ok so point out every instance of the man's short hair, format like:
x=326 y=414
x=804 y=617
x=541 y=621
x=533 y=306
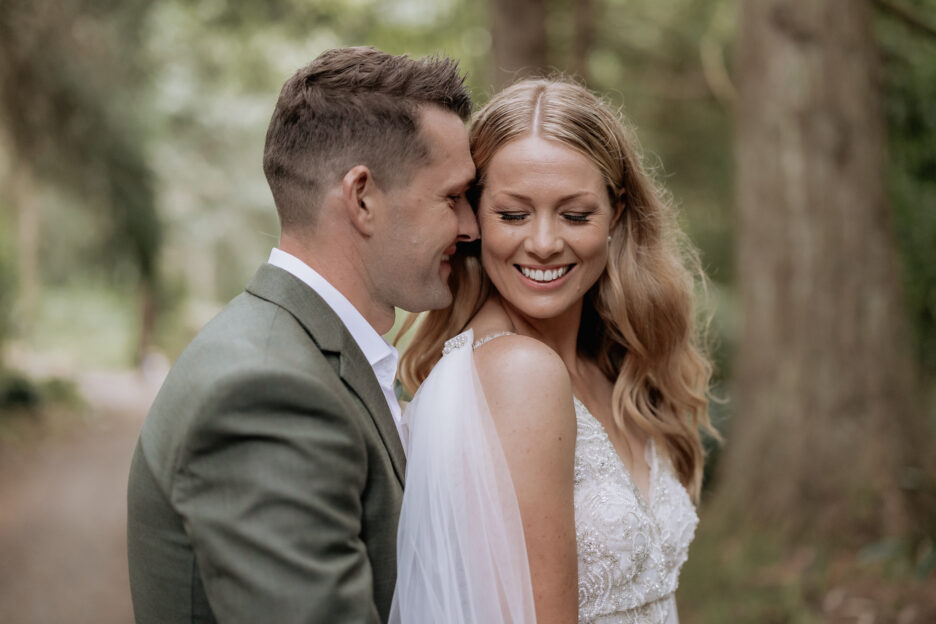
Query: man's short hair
x=349 y=107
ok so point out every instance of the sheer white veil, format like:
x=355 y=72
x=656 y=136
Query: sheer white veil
x=461 y=555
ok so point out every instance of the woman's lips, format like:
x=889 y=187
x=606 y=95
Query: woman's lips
x=544 y=277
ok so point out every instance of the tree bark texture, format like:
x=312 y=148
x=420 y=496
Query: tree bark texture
x=518 y=39
x=826 y=432
x=583 y=34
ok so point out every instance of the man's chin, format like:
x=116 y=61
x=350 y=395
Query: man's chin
x=437 y=301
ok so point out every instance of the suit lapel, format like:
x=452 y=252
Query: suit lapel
x=333 y=338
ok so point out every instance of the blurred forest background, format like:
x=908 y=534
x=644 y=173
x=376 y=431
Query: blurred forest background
x=797 y=137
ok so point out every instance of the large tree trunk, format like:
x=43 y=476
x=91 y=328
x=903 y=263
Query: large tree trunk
x=518 y=39
x=826 y=428
x=583 y=34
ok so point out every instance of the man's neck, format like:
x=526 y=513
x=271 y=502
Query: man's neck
x=342 y=268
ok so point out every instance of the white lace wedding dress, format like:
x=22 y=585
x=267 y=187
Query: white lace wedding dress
x=460 y=549
x=630 y=549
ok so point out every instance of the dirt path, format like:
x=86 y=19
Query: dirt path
x=63 y=515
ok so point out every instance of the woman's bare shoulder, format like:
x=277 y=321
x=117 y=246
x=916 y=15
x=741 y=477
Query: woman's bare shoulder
x=525 y=383
x=521 y=376
x=517 y=354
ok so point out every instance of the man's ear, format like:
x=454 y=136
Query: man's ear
x=361 y=198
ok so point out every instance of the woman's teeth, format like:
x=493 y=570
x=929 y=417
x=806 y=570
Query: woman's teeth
x=539 y=275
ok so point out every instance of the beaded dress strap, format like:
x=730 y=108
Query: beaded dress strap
x=490 y=337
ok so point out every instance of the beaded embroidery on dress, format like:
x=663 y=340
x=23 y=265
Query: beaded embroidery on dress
x=630 y=550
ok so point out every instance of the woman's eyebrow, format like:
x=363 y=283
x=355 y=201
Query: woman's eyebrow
x=562 y=200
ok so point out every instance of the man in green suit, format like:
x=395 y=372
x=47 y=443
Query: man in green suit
x=267 y=480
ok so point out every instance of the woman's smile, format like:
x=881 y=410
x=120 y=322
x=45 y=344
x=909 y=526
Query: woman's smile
x=545 y=277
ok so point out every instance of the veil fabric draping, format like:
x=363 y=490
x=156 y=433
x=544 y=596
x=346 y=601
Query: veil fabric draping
x=461 y=555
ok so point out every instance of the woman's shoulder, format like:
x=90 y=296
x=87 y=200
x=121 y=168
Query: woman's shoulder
x=504 y=351
x=501 y=351
x=520 y=375
x=525 y=380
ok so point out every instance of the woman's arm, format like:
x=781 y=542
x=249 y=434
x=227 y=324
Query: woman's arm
x=530 y=397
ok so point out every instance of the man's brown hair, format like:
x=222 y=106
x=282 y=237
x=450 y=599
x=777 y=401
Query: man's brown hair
x=349 y=107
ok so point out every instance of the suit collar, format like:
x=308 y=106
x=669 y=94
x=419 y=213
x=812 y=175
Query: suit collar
x=330 y=335
x=372 y=344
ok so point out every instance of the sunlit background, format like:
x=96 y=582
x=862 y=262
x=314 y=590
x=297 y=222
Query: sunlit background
x=133 y=206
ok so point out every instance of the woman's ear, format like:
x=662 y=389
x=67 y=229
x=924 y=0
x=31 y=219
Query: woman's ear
x=360 y=198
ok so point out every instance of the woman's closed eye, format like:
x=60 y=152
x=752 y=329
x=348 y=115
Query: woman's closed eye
x=577 y=217
x=511 y=216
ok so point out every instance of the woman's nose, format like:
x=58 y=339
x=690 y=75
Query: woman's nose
x=544 y=239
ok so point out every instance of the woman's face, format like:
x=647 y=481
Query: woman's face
x=545 y=218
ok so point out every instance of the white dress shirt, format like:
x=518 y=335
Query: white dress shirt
x=380 y=354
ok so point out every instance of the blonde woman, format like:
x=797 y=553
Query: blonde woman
x=554 y=451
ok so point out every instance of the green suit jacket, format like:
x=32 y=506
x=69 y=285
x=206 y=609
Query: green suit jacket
x=267 y=481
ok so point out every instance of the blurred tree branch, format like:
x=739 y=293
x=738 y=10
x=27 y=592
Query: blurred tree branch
x=716 y=72
x=907 y=16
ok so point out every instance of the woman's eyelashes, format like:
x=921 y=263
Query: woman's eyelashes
x=572 y=217
x=578 y=217
x=511 y=216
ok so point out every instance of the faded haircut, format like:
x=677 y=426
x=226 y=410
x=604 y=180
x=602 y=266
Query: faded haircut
x=349 y=107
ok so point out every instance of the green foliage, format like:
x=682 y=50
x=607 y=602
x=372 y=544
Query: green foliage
x=910 y=81
x=18 y=392
x=71 y=80
x=87 y=323
x=21 y=394
x=137 y=232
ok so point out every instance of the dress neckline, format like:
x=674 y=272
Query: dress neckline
x=465 y=338
x=491 y=337
x=650 y=457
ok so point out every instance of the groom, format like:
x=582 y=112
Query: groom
x=267 y=480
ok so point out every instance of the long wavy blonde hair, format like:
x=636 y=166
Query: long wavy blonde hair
x=638 y=321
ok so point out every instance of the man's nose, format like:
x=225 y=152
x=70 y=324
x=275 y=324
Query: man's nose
x=467 y=222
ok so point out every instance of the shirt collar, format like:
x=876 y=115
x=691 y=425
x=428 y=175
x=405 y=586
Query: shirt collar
x=374 y=347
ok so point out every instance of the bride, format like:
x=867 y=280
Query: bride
x=554 y=451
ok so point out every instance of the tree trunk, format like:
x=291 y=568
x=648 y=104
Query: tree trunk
x=826 y=428
x=584 y=31
x=518 y=39
x=148 y=315
x=28 y=226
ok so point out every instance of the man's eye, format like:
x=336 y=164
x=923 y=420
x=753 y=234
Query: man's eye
x=453 y=200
